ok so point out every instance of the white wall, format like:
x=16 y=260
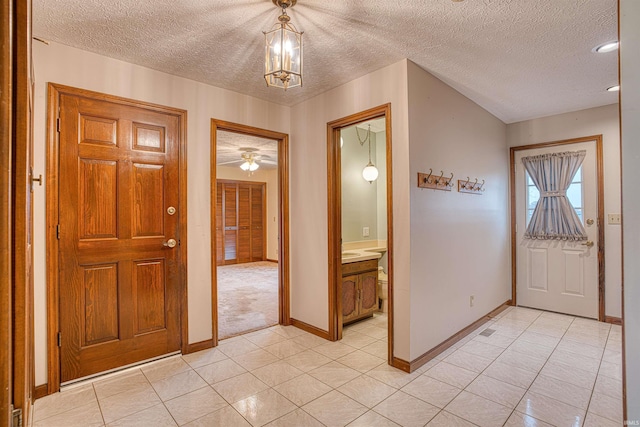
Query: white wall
x=270 y=177
x=630 y=107
x=459 y=242
x=594 y=121
x=61 y=64
x=309 y=265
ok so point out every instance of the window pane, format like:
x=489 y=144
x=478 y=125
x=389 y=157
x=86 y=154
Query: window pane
x=579 y=212
x=533 y=195
x=529 y=180
x=574 y=194
x=578 y=176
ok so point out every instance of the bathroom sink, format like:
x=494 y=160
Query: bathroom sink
x=349 y=254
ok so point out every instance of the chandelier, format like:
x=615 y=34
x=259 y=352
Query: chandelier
x=283 y=51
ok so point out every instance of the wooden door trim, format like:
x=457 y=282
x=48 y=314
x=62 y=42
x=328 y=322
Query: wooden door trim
x=334 y=206
x=283 y=217
x=599 y=208
x=52 y=205
x=6 y=99
x=23 y=350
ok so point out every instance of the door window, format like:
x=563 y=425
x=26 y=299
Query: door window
x=574 y=194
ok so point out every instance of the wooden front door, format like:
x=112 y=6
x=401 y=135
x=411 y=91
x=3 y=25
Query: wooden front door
x=119 y=264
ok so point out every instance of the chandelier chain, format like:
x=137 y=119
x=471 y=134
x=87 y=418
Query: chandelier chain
x=368 y=137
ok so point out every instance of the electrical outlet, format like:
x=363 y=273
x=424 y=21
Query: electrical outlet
x=471 y=299
x=365 y=231
x=614 y=218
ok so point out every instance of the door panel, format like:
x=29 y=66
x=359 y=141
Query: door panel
x=557 y=275
x=100 y=304
x=119 y=281
x=148 y=218
x=257 y=222
x=98 y=196
x=149 y=296
x=244 y=223
x=369 y=292
x=350 y=297
x=230 y=223
x=219 y=231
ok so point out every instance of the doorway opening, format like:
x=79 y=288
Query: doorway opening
x=559 y=274
x=360 y=231
x=249 y=223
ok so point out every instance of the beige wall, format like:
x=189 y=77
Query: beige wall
x=594 y=121
x=459 y=242
x=630 y=109
x=309 y=265
x=61 y=64
x=270 y=177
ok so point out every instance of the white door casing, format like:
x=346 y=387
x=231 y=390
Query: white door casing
x=557 y=275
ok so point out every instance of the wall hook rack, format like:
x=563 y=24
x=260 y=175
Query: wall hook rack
x=428 y=180
x=471 y=187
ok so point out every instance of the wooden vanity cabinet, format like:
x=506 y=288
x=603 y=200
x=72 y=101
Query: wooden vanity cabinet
x=359 y=290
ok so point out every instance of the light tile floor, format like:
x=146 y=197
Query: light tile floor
x=536 y=369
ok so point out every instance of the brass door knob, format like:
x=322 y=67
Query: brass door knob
x=588 y=243
x=171 y=243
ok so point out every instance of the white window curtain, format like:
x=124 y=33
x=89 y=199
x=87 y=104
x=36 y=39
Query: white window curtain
x=553 y=217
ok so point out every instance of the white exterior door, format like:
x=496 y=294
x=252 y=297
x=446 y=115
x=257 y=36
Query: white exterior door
x=557 y=275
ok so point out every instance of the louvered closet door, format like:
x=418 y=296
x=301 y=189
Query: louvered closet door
x=244 y=223
x=230 y=209
x=258 y=215
x=219 y=228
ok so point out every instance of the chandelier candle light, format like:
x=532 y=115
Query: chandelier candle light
x=283 y=51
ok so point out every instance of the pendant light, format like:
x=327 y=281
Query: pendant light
x=370 y=172
x=283 y=51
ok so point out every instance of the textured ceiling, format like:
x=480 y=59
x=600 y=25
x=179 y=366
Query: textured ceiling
x=230 y=146
x=519 y=59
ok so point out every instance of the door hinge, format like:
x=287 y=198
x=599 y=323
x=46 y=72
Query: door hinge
x=59 y=339
x=16 y=417
x=58 y=124
x=58 y=231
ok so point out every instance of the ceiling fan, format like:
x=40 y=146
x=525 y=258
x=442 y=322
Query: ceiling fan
x=249 y=158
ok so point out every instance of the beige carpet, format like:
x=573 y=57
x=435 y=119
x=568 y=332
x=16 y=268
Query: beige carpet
x=247 y=297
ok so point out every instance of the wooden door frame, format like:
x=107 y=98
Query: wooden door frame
x=599 y=211
x=334 y=205
x=52 y=205
x=6 y=225
x=283 y=218
x=23 y=329
x=264 y=213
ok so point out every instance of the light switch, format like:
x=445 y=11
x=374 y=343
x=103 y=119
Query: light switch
x=614 y=218
x=365 y=231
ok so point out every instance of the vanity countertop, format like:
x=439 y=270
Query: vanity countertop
x=356 y=255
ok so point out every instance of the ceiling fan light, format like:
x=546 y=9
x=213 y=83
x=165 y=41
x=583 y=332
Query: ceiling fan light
x=253 y=166
x=245 y=166
x=370 y=173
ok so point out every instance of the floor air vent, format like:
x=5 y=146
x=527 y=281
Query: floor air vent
x=487 y=332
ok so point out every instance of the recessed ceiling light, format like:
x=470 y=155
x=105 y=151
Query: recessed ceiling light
x=606 y=47
x=614 y=88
